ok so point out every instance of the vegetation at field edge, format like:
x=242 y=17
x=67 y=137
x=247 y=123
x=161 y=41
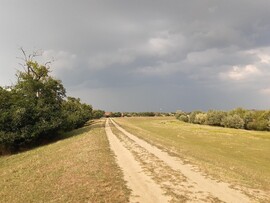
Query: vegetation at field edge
x=81 y=168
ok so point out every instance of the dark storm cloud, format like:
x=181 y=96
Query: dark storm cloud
x=147 y=55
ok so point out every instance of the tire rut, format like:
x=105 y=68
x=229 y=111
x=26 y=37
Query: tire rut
x=179 y=180
x=143 y=188
x=174 y=183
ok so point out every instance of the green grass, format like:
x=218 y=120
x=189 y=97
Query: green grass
x=240 y=157
x=81 y=168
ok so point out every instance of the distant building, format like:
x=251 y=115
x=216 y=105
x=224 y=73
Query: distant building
x=108 y=114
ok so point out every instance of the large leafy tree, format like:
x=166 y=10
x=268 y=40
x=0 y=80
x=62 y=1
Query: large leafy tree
x=34 y=105
x=35 y=108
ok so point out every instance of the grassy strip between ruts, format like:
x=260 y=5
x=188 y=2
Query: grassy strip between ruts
x=81 y=168
x=240 y=157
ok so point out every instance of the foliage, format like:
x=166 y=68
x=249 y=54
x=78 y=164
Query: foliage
x=192 y=116
x=97 y=114
x=200 y=118
x=260 y=121
x=75 y=113
x=233 y=121
x=34 y=109
x=141 y=114
x=215 y=117
x=236 y=118
x=182 y=116
x=116 y=114
x=238 y=111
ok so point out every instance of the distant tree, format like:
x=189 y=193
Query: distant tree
x=97 y=114
x=181 y=115
x=215 y=117
x=238 y=111
x=116 y=114
x=192 y=116
x=261 y=121
x=249 y=117
x=233 y=121
x=200 y=118
x=183 y=118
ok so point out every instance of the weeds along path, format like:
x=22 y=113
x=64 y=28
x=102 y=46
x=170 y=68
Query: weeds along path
x=144 y=189
x=180 y=181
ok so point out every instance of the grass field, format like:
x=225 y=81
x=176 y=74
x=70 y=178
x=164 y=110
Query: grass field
x=237 y=156
x=80 y=168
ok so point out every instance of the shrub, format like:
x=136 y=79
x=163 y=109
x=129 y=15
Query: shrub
x=192 y=116
x=249 y=117
x=200 y=118
x=116 y=114
x=233 y=121
x=183 y=118
x=215 y=117
x=97 y=114
x=75 y=114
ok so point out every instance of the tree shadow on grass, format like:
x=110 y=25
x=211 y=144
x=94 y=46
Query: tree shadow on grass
x=90 y=125
x=87 y=127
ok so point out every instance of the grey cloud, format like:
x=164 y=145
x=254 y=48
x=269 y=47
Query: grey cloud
x=146 y=55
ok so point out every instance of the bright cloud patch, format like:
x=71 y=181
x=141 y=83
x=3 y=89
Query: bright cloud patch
x=159 y=45
x=241 y=73
x=265 y=91
x=263 y=54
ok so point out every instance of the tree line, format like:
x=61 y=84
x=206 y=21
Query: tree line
x=238 y=118
x=36 y=108
x=146 y=114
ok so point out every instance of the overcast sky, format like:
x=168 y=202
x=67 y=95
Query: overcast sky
x=146 y=55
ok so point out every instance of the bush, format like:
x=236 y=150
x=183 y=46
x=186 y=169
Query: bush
x=249 y=117
x=192 y=116
x=258 y=120
x=215 y=117
x=183 y=118
x=97 y=114
x=75 y=114
x=116 y=114
x=200 y=118
x=233 y=121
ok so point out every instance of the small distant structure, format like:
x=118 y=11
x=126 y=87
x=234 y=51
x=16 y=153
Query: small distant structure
x=108 y=114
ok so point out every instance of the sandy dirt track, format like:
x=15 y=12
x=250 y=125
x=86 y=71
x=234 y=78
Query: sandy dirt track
x=150 y=173
x=144 y=189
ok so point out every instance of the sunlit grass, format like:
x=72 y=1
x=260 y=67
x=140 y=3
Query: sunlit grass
x=80 y=168
x=237 y=156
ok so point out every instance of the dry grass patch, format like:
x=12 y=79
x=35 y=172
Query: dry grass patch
x=81 y=168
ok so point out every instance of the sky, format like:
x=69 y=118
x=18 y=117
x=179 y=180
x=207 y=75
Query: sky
x=145 y=55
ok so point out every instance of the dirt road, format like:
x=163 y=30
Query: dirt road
x=155 y=176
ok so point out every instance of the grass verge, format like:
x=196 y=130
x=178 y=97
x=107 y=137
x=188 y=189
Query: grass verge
x=240 y=157
x=81 y=168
